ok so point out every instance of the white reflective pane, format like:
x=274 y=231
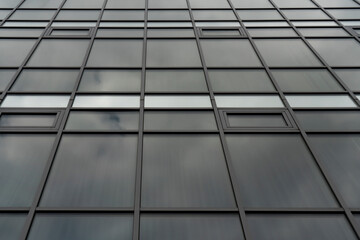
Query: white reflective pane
x=314 y=23
x=266 y=24
x=122 y=24
x=36 y=101
x=313 y=101
x=177 y=102
x=169 y=24
x=350 y=23
x=217 y=24
x=25 y=24
x=74 y=24
x=107 y=101
x=248 y=101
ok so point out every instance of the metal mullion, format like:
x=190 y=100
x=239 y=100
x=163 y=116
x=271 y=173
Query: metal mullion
x=11 y=12
x=228 y=163
x=47 y=169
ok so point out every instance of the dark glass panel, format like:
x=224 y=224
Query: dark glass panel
x=170 y=33
x=14 y=51
x=27 y=120
x=256 y=120
x=5 y=77
x=32 y=15
x=351 y=77
x=20 y=32
x=11 y=225
x=83 y=4
x=123 y=33
x=123 y=15
x=181 y=15
x=41 y=4
x=125 y=4
x=78 y=15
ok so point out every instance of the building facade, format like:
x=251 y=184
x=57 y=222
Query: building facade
x=179 y=119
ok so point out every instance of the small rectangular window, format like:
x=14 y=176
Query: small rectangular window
x=319 y=101
x=35 y=101
x=222 y=32
x=159 y=101
x=248 y=101
x=68 y=32
x=106 y=101
x=29 y=119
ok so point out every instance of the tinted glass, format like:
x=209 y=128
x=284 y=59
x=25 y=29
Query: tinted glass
x=252 y=4
x=20 y=32
x=107 y=101
x=326 y=32
x=103 y=121
x=167 y=4
x=11 y=225
x=324 y=100
x=175 y=81
x=32 y=15
x=185 y=171
x=14 y=51
x=125 y=4
x=294 y=3
x=272 y=32
x=81 y=226
x=240 y=81
x=27 y=120
x=286 y=52
x=116 y=53
x=46 y=80
x=23 y=158
x=62 y=52
x=170 y=33
x=168 y=15
x=345 y=13
x=190 y=227
x=259 y=14
x=120 y=33
x=340 y=154
x=162 y=53
x=5 y=77
x=83 y=4
x=248 y=101
x=41 y=4
x=36 y=101
x=277 y=171
x=209 y=4
x=60 y=32
x=305 y=14
x=177 y=101
x=218 y=32
x=256 y=120
x=329 y=120
x=78 y=15
x=299 y=227
x=9 y=3
x=214 y=15
x=338 y=3
x=93 y=171
x=351 y=77
x=123 y=15
x=229 y=52
x=110 y=80
x=309 y=80
x=179 y=120
x=338 y=52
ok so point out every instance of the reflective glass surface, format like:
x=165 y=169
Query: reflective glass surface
x=27 y=120
x=5 y=77
x=35 y=101
x=11 y=225
x=14 y=51
x=106 y=101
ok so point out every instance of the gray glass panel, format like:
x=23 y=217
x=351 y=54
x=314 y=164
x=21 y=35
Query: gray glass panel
x=329 y=120
x=214 y=15
x=128 y=15
x=81 y=227
x=351 y=77
x=168 y=15
x=309 y=80
x=286 y=52
x=167 y=4
x=240 y=81
x=272 y=32
x=345 y=13
x=4 y=13
x=83 y=4
x=92 y=171
x=14 y=51
x=277 y=171
x=163 y=53
x=338 y=3
x=64 y=52
x=27 y=120
x=294 y=3
x=9 y=3
x=190 y=227
x=320 y=100
x=252 y=4
x=32 y=15
x=11 y=226
x=338 y=52
x=259 y=15
x=179 y=120
x=125 y=4
x=322 y=32
x=175 y=81
x=41 y=4
x=45 y=80
x=104 y=121
x=116 y=53
x=229 y=52
x=35 y=101
x=305 y=14
x=78 y=15
x=125 y=33
x=23 y=158
x=217 y=32
x=69 y=32
x=209 y=4
x=299 y=227
x=185 y=171
x=5 y=77
x=170 y=33
x=111 y=80
x=340 y=154
x=247 y=120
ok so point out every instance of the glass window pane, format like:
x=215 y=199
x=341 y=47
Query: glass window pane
x=106 y=101
x=167 y=4
x=185 y=171
x=248 y=101
x=272 y=32
x=45 y=80
x=81 y=226
x=5 y=77
x=338 y=3
x=103 y=121
x=170 y=24
x=32 y=15
x=122 y=33
x=175 y=81
x=125 y=4
x=14 y=51
x=25 y=24
x=277 y=171
x=252 y=4
x=294 y=3
x=329 y=120
x=179 y=120
x=9 y=3
x=127 y=15
x=69 y=32
x=338 y=52
x=240 y=81
x=178 y=33
x=83 y=4
x=217 y=24
x=314 y=23
x=116 y=53
x=11 y=225
x=340 y=154
x=35 y=101
x=20 y=32
x=309 y=80
x=122 y=24
x=58 y=52
x=92 y=171
x=305 y=14
x=229 y=52
x=209 y=4
x=214 y=15
x=324 y=100
x=322 y=32
x=218 y=32
x=78 y=15
x=286 y=52
x=23 y=158
x=351 y=77
x=110 y=80
x=266 y=24
x=73 y=24
x=299 y=227
x=4 y=13
x=27 y=120
x=41 y=4
x=190 y=101
x=259 y=15
x=345 y=13
x=190 y=227
x=163 y=53
x=168 y=15
x=258 y=120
